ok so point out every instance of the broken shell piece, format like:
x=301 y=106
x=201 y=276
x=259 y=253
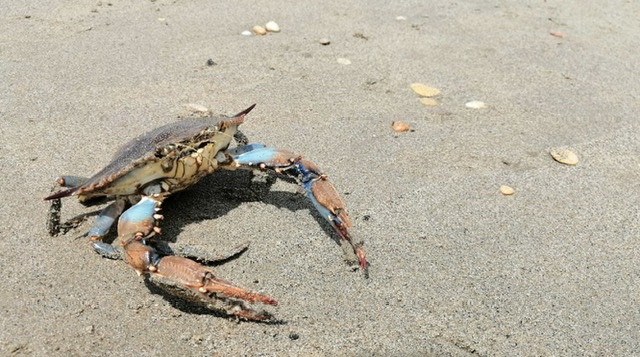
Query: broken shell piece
x=507 y=190
x=475 y=104
x=424 y=90
x=564 y=155
x=259 y=30
x=430 y=102
x=344 y=61
x=399 y=125
x=197 y=108
x=246 y=33
x=272 y=26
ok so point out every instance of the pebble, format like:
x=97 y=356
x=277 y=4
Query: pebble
x=272 y=26
x=430 y=102
x=564 y=155
x=424 y=90
x=246 y=33
x=401 y=18
x=475 y=104
x=325 y=41
x=399 y=125
x=344 y=61
x=259 y=30
x=293 y=336
x=507 y=190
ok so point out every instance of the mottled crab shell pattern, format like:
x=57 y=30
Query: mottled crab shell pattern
x=153 y=156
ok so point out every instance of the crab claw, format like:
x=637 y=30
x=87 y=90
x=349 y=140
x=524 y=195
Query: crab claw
x=192 y=281
x=327 y=201
x=181 y=276
x=319 y=189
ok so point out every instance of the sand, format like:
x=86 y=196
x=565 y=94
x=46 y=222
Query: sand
x=456 y=269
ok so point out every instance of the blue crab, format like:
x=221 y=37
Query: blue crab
x=169 y=159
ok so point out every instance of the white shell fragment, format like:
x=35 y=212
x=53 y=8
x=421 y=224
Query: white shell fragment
x=507 y=190
x=246 y=33
x=564 y=155
x=475 y=104
x=344 y=61
x=259 y=30
x=424 y=90
x=272 y=26
x=197 y=108
x=325 y=41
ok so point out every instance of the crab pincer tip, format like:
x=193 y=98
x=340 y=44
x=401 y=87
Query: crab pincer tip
x=362 y=258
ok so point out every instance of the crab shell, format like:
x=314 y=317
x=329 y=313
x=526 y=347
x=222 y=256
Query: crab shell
x=177 y=155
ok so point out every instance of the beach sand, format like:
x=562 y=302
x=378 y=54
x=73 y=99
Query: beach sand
x=456 y=267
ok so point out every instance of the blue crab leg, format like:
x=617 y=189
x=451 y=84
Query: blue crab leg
x=101 y=226
x=105 y=219
x=319 y=189
x=180 y=276
x=71 y=181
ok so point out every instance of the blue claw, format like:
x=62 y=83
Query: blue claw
x=140 y=211
x=318 y=188
x=139 y=219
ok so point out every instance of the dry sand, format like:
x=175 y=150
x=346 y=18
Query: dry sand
x=456 y=267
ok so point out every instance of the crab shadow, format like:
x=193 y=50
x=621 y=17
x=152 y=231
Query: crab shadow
x=196 y=309
x=216 y=195
x=213 y=198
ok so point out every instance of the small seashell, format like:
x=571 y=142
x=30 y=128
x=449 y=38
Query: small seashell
x=424 y=90
x=197 y=108
x=344 y=61
x=246 y=33
x=325 y=41
x=557 y=34
x=401 y=18
x=259 y=30
x=272 y=26
x=564 y=155
x=507 y=190
x=475 y=104
x=430 y=102
x=399 y=125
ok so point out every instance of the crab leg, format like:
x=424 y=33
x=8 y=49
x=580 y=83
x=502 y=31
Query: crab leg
x=54 y=225
x=186 y=278
x=317 y=186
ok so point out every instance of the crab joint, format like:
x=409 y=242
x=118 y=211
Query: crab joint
x=141 y=257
